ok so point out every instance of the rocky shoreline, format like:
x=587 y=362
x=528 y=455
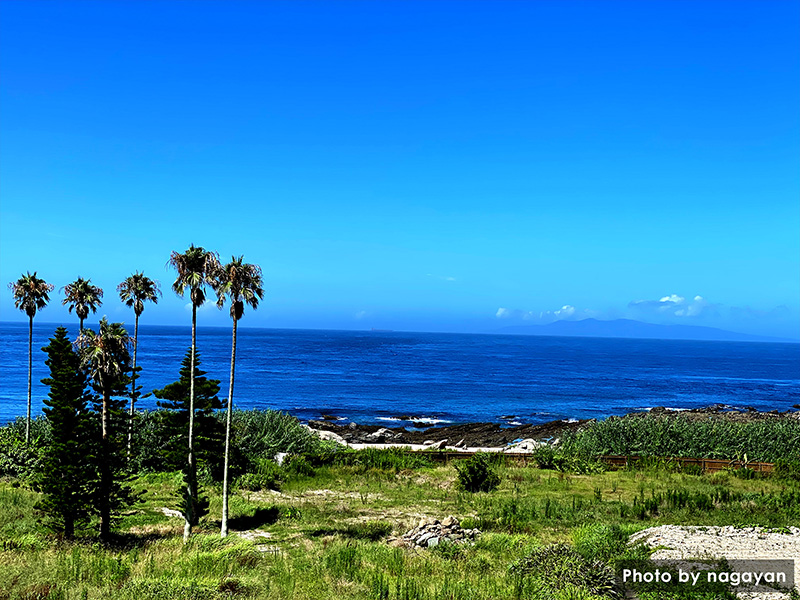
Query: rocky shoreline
x=496 y=435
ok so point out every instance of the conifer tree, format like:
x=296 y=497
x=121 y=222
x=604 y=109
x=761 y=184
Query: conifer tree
x=67 y=478
x=196 y=267
x=208 y=430
x=106 y=357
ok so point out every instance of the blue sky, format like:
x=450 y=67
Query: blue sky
x=441 y=166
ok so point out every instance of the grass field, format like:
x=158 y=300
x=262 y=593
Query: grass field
x=323 y=535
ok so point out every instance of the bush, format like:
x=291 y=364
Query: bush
x=787 y=469
x=267 y=476
x=383 y=459
x=261 y=434
x=655 y=435
x=17 y=459
x=257 y=435
x=599 y=541
x=558 y=567
x=297 y=465
x=546 y=457
x=476 y=474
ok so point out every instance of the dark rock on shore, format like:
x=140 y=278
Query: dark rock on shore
x=494 y=435
x=469 y=434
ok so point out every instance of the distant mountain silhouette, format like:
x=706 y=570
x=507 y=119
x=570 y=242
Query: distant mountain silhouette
x=627 y=328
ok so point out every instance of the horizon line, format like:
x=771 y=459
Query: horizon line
x=765 y=339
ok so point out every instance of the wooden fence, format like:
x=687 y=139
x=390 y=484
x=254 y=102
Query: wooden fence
x=706 y=465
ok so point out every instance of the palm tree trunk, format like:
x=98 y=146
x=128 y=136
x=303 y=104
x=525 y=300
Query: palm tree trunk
x=224 y=531
x=105 y=475
x=81 y=327
x=191 y=483
x=30 y=368
x=133 y=384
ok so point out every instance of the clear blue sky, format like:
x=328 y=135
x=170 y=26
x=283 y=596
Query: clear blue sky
x=444 y=166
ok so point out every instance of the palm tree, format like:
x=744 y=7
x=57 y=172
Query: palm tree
x=241 y=283
x=31 y=295
x=83 y=297
x=134 y=291
x=106 y=357
x=196 y=267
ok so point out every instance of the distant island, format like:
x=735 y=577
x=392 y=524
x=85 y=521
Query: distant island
x=628 y=328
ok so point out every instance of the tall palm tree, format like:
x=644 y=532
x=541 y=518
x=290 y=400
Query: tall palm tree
x=83 y=297
x=241 y=283
x=106 y=357
x=196 y=267
x=31 y=295
x=134 y=291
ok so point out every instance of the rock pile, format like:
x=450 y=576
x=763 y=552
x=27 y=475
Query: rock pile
x=432 y=532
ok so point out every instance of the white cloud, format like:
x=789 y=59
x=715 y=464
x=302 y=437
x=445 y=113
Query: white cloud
x=673 y=299
x=360 y=315
x=675 y=306
x=565 y=311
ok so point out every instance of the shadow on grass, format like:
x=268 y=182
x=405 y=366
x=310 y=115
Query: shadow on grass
x=129 y=541
x=262 y=516
x=372 y=531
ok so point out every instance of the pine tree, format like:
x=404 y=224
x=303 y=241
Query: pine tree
x=68 y=475
x=208 y=431
x=106 y=357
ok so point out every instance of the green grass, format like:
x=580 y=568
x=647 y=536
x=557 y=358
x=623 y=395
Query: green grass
x=329 y=523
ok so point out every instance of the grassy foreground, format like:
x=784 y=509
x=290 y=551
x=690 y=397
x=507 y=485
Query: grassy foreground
x=323 y=535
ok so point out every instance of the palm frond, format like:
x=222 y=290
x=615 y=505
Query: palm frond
x=82 y=296
x=195 y=268
x=30 y=293
x=137 y=289
x=241 y=283
x=104 y=353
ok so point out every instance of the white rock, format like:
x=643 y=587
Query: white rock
x=329 y=436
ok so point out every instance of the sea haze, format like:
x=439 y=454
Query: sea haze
x=374 y=377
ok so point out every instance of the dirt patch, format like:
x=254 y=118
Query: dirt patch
x=364 y=497
x=750 y=543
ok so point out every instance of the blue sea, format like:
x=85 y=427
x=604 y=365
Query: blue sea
x=374 y=377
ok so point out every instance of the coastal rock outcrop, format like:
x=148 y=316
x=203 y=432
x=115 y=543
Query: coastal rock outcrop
x=432 y=532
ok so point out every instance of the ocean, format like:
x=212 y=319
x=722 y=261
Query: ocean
x=374 y=377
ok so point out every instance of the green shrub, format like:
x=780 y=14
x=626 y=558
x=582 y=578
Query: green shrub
x=17 y=459
x=298 y=465
x=677 y=435
x=261 y=434
x=384 y=459
x=449 y=550
x=476 y=474
x=787 y=469
x=257 y=435
x=266 y=476
x=600 y=541
x=557 y=567
x=547 y=457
